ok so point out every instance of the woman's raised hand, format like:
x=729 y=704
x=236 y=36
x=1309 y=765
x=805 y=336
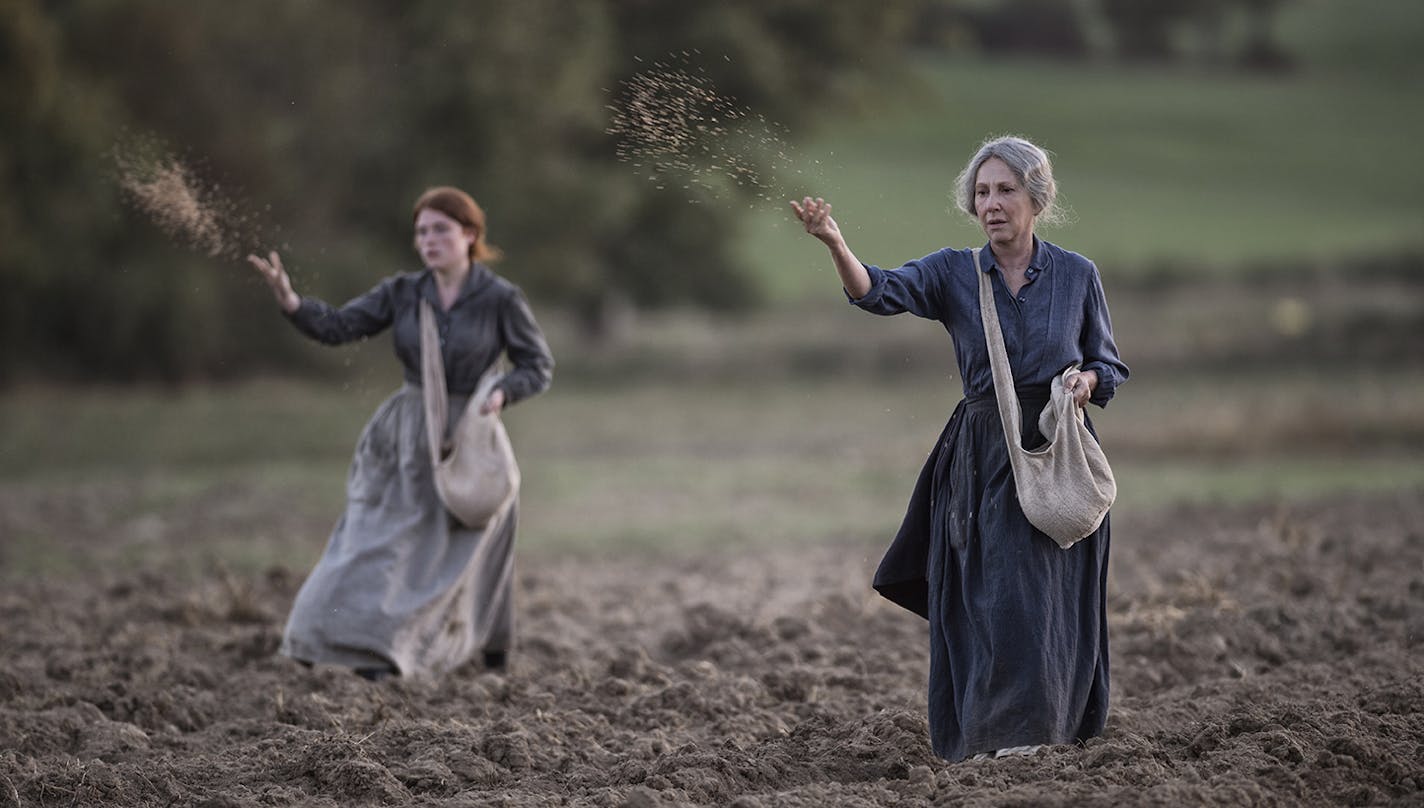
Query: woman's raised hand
x=276 y=277
x=815 y=215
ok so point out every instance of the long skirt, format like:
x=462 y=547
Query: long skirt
x=1018 y=626
x=401 y=583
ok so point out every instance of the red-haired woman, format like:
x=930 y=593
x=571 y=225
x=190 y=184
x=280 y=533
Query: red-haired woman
x=404 y=588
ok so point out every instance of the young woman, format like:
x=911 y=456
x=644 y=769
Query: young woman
x=403 y=588
x=1018 y=626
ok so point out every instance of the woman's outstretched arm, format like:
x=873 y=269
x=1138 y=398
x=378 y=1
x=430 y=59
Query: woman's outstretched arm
x=361 y=317
x=815 y=215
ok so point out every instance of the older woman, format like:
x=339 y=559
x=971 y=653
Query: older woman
x=404 y=588
x=1018 y=626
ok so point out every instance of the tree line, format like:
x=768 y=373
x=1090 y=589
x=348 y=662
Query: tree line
x=320 y=121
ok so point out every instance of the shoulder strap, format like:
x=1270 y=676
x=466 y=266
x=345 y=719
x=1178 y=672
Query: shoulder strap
x=1004 y=392
x=432 y=381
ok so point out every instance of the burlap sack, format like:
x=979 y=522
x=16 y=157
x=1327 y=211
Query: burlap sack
x=1066 y=486
x=475 y=472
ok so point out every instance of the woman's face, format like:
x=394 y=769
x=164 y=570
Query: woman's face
x=1002 y=204
x=443 y=244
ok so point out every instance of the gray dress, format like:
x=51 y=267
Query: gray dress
x=401 y=583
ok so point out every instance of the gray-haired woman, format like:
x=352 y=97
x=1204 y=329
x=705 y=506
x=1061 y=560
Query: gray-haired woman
x=1018 y=627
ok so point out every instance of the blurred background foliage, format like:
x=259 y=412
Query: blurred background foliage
x=329 y=118
x=322 y=120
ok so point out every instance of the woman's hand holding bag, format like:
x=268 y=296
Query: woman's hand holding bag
x=1066 y=486
x=475 y=473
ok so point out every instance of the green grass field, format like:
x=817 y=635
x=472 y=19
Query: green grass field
x=254 y=473
x=1185 y=166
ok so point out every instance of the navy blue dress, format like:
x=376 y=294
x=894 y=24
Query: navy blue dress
x=1018 y=626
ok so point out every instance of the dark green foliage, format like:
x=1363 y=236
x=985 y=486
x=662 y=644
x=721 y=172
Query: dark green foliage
x=319 y=122
x=1010 y=27
x=1143 y=30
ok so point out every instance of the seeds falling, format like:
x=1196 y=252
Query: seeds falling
x=672 y=121
x=195 y=214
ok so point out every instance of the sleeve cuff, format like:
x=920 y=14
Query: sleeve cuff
x=297 y=314
x=1107 y=383
x=877 y=288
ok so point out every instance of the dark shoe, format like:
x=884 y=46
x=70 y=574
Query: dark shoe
x=374 y=674
x=496 y=660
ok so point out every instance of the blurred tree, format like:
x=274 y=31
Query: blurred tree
x=1143 y=31
x=320 y=121
x=56 y=227
x=1052 y=28
x=1262 y=51
x=1142 y=27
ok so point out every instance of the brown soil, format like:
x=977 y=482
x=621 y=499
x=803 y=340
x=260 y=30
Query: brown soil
x=1262 y=656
